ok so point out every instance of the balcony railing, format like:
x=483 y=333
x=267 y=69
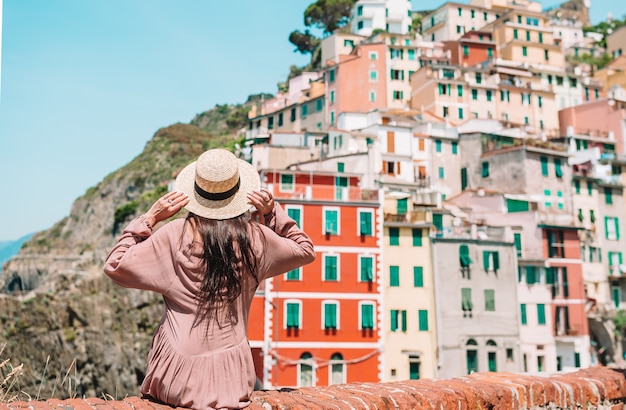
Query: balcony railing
x=324 y=193
x=409 y=217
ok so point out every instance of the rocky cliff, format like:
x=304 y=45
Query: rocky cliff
x=75 y=332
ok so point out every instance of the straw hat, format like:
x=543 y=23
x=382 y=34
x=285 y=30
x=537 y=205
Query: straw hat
x=217 y=184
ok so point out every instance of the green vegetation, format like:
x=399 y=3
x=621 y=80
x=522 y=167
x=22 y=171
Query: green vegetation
x=619 y=320
x=124 y=212
x=605 y=28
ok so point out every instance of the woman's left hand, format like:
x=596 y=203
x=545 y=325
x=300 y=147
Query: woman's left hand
x=165 y=207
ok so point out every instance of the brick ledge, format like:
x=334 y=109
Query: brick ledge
x=593 y=388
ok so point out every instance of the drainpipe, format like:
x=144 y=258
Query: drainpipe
x=438 y=312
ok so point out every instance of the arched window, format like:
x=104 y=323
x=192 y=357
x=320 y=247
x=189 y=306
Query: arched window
x=306 y=377
x=471 y=356
x=337 y=369
x=491 y=355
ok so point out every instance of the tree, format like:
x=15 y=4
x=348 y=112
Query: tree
x=304 y=42
x=328 y=15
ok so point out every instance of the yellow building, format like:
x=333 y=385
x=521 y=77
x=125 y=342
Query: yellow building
x=613 y=74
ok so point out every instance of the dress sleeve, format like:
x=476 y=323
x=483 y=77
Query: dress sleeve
x=286 y=247
x=142 y=260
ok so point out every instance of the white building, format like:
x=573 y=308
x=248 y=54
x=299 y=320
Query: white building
x=393 y=16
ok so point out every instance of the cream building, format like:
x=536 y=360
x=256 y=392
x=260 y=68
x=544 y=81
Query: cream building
x=616 y=42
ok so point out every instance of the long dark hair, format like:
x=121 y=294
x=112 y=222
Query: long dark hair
x=227 y=253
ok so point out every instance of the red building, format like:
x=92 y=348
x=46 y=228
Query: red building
x=475 y=47
x=564 y=275
x=319 y=324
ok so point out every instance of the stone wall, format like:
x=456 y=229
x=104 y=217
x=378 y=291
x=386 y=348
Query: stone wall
x=593 y=388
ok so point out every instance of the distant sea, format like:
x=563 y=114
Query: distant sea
x=10 y=248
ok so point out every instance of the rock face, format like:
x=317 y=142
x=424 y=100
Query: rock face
x=74 y=330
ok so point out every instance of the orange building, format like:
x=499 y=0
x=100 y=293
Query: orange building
x=319 y=325
x=358 y=83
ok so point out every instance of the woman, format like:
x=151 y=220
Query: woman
x=207 y=267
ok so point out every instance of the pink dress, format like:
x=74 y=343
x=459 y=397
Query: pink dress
x=187 y=366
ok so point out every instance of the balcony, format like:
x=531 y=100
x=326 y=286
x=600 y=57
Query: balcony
x=411 y=217
x=325 y=193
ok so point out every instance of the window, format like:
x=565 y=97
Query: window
x=330 y=315
x=398 y=95
x=372 y=96
x=417 y=236
x=280 y=119
x=394 y=276
x=491 y=261
x=445 y=112
x=474 y=94
x=611 y=228
x=411 y=55
x=615 y=260
x=523 y=313
x=616 y=295
x=544 y=166
x=402 y=206
x=527 y=35
x=505 y=95
x=295 y=213
x=418 y=276
x=286 y=182
x=490 y=300
x=489 y=94
x=366 y=311
x=373 y=55
x=397 y=74
x=337 y=369
x=331 y=221
x=479 y=78
x=398 y=320
x=270 y=123
x=464 y=257
x=438 y=145
x=359 y=11
x=423 y=320
x=465 y=51
x=293 y=318
x=491 y=356
x=319 y=105
x=292 y=117
x=414 y=367
x=332 y=97
x=471 y=356
x=305 y=111
x=515 y=34
x=466 y=302
x=464 y=179
x=394 y=236
x=540 y=101
x=330 y=268
x=525 y=99
x=485 y=169
x=293 y=274
x=373 y=75
x=608 y=196
x=555 y=244
x=525 y=51
x=348 y=43
x=517 y=238
x=490 y=52
x=331 y=75
x=459 y=90
x=366 y=268
x=441 y=173
x=365 y=223
x=305 y=370
x=460 y=113
x=541 y=314
x=332 y=117
x=459 y=11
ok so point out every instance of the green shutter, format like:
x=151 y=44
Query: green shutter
x=577 y=186
x=530 y=275
x=293 y=315
x=544 y=166
x=332 y=225
x=491 y=361
x=557 y=168
x=486 y=264
x=541 y=314
x=417 y=237
x=565 y=283
x=394 y=276
x=330 y=316
x=403 y=314
x=423 y=320
x=367 y=271
x=331 y=268
x=514 y=205
x=366 y=223
x=550 y=276
x=466 y=261
x=438 y=221
x=418 y=276
x=402 y=206
x=463 y=178
x=367 y=316
x=485 y=169
x=496 y=261
x=608 y=196
x=490 y=300
x=293 y=274
x=517 y=238
x=617 y=297
x=523 y=313
x=394 y=320
x=294 y=213
x=466 y=299
x=394 y=236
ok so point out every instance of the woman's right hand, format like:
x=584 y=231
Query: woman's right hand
x=262 y=200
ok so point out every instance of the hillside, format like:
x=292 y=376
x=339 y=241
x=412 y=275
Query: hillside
x=75 y=332
x=10 y=248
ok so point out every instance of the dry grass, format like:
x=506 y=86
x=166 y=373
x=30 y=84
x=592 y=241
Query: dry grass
x=7 y=385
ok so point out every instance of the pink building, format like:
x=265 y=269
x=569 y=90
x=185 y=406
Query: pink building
x=602 y=118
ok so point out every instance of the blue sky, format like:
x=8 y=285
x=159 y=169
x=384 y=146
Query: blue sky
x=86 y=83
